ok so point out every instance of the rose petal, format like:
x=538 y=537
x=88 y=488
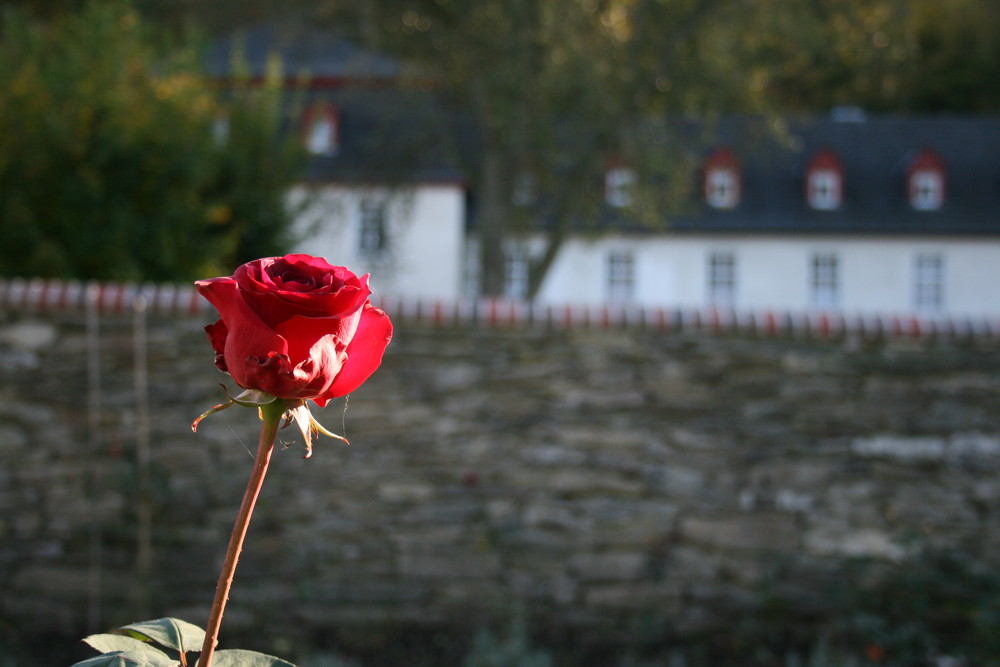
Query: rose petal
x=316 y=347
x=271 y=373
x=315 y=288
x=248 y=337
x=217 y=334
x=293 y=274
x=311 y=377
x=276 y=307
x=303 y=333
x=364 y=353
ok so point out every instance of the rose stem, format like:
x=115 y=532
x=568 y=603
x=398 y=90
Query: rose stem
x=270 y=420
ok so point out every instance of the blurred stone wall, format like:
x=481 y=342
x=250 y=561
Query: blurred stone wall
x=596 y=477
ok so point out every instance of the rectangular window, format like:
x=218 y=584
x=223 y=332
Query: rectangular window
x=824 y=281
x=824 y=189
x=621 y=277
x=515 y=273
x=372 y=240
x=722 y=279
x=619 y=184
x=929 y=282
x=721 y=189
x=926 y=190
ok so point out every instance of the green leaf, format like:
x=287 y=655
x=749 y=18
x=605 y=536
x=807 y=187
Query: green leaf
x=108 y=643
x=128 y=659
x=170 y=632
x=240 y=658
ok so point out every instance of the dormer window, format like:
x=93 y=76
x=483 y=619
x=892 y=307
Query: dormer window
x=722 y=180
x=825 y=181
x=925 y=181
x=321 y=129
x=619 y=186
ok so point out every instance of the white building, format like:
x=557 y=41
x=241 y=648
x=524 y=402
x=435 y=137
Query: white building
x=410 y=237
x=848 y=214
x=849 y=273
x=866 y=216
x=381 y=194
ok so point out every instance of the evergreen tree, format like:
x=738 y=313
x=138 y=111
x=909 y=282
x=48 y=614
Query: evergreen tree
x=112 y=165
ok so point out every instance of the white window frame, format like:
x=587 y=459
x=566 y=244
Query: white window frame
x=619 y=186
x=722 y=188
x=926 y=189
x=928 y=282
x=824 y=281
x=321 y=137
x=373 y=239
x=824 y=189
x=516 y=265
x=621 y=276
x=722 y=279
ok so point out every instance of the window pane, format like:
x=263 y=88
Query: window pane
x=372 y=236
x=926 y=190
x=621 y=277
x=720 y=188
x=515 y=273
x=618 y=185
x=929 y=282
x=321 y=136
x=722 y=279
x=824 y=189
x=824 y=281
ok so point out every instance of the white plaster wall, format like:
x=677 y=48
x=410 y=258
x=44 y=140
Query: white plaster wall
x=425 y=225
x=972 y=277
x=876 y=275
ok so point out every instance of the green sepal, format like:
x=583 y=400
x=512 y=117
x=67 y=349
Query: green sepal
x=108 y=643
x=250 y=398
x=170 y=632
x=128 y=659
x=308 y=425
x=240 y=658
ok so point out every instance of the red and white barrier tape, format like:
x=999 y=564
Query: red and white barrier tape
x=54 y=296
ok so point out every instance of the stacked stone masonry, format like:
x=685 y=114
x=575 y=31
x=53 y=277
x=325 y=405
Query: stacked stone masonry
x=591 y=476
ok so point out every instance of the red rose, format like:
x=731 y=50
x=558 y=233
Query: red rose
x=296 y=327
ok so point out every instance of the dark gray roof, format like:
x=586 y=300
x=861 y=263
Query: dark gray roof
x=388 y=136
x=875 y=153
x=387 y=133
x=303 y=50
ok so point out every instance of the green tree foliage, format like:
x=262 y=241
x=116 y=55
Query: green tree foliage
x=882 y=55
x=111 y=163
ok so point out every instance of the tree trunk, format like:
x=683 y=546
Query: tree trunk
x=539 y=269
x=491 y=220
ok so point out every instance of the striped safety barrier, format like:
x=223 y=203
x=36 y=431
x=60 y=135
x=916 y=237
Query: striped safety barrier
x=54 y=296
